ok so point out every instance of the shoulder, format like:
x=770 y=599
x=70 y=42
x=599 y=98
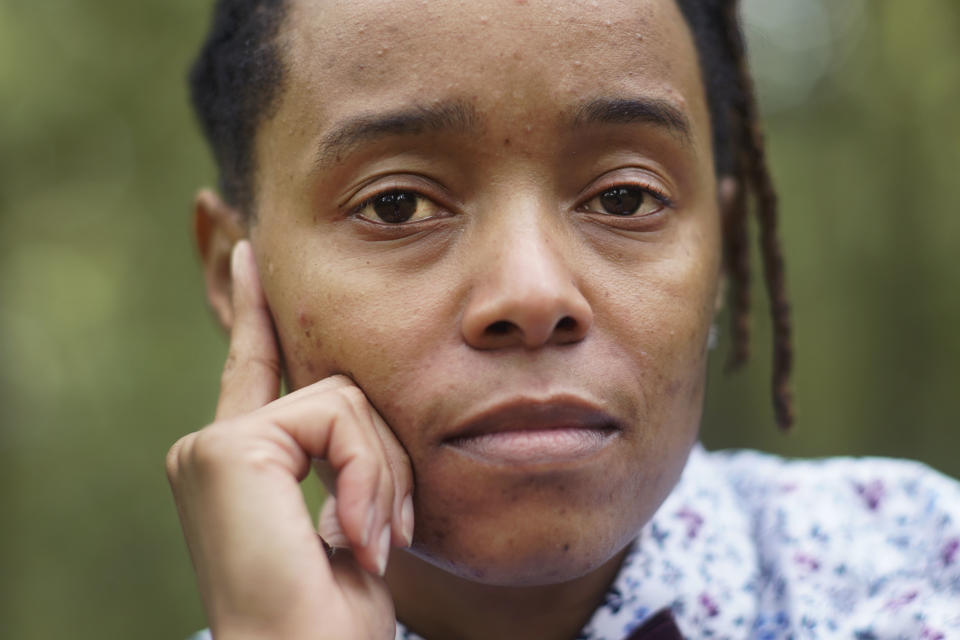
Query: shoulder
x=854 y=542
x=881 y=494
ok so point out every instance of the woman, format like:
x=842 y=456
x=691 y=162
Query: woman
x=484 y=244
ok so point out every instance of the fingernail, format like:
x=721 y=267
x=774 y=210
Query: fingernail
x=406 y=519
x=369 y=525
x=235 y=259
x=383 y=552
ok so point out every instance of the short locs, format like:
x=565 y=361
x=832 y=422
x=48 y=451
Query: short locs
x=739 y=152
x=234 y=84
x=239 y=74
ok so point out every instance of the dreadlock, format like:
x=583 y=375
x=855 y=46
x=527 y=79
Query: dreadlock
x=239 y=73
x=739 y=152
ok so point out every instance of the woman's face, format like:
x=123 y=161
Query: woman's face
x=499 y=217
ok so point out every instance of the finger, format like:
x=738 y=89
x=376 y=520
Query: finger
x=251 y=374
x=402 y=472
x=328 y=524
x=402 y=518
x=337 y=428
x=319 y=387
x=245 y=521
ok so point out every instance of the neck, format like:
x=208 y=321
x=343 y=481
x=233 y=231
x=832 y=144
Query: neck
x=438 y=605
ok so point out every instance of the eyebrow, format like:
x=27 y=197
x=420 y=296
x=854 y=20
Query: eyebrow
x=458 y=116
x=453 y=116
x=635 y=110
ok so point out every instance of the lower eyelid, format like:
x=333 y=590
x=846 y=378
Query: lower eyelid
x=641 y=224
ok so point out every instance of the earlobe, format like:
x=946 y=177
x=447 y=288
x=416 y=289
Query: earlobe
x=728 y=189
x=217 y=227
x=719 y=303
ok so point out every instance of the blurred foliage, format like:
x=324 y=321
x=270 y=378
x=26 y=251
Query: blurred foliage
x=108 y=353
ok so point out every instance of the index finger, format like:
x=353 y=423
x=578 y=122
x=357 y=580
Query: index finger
x=251 y=374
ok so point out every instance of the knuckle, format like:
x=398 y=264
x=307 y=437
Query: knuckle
x=237 y=362
x=172 y=461
x=339 y=380
x=365 y=458
x=229 y=367
x=272 y=365
x=354 y=397
x=326 y=385
x=210 y=447
x=260 y=459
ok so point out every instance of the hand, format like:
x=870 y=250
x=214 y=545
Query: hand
x=261 y=567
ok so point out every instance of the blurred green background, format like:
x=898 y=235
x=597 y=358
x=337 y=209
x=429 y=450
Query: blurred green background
x=108 y=353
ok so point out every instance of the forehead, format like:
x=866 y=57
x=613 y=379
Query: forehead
x=523 y=62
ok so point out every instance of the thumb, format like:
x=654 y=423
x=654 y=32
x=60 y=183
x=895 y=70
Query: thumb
x=251 y=374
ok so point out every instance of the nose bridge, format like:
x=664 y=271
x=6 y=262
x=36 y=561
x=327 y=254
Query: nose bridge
x=527 y=252
x=524 y=289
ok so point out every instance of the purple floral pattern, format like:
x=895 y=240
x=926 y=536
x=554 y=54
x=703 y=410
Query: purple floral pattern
x=749 y=545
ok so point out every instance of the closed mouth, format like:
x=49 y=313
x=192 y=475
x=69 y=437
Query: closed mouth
x=535 y=432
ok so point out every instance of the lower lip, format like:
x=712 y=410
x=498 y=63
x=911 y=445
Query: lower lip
x=539 y=446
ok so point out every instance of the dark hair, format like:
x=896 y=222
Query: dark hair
x=739 y=152
x=234 y=84
x=238 y=75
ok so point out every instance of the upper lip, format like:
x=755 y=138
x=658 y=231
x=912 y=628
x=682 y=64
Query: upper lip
x=528 y=414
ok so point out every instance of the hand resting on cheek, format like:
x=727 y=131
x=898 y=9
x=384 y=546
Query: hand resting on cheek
x=261 y=567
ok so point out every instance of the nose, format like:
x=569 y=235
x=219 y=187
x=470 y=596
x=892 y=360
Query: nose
x=524 y=294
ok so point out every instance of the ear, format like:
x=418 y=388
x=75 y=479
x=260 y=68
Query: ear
x=217 y=226
x=728 y=190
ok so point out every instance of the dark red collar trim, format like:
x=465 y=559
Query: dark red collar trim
x=661 y=626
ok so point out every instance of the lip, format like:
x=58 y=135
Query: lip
x=535 y=432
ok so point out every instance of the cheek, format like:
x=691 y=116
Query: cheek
x=657 y=324
x=359 y=325
x=662 y=318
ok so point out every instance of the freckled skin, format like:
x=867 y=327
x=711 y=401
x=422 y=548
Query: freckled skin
x=400 y=315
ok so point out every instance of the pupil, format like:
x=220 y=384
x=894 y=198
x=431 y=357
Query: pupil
x=621 y=201
x=396 y=206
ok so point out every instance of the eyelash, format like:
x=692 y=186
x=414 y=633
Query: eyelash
x=649 y=190
x=662 y=198
x=659 y=196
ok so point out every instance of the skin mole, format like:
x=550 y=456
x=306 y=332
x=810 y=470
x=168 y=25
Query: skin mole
x=305 y=322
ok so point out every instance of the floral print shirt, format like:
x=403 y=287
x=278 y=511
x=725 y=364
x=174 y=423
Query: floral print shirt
x=750 y=545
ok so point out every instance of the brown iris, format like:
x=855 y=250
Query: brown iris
x=395 y=206
x=621 y=201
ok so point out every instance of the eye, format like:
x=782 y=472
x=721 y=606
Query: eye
x=396 y=207
x=626 y=201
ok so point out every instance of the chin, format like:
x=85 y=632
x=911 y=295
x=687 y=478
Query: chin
x=529 y=529
x=539 y=564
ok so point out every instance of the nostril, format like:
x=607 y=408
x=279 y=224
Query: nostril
x=566 y=323
x=500 y=328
